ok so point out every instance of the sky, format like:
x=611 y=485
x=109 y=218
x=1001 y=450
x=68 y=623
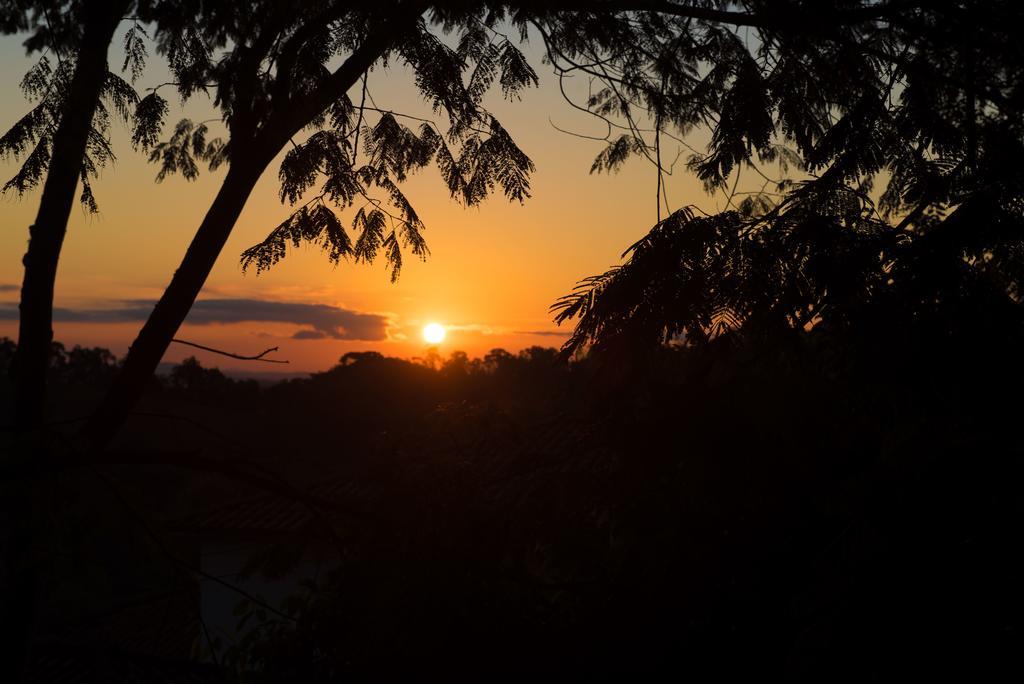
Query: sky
x=492 y=273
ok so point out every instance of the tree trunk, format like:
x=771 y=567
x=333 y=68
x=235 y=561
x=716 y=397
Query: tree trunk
x=169 y=313
x=18 y=571
x=46 y=235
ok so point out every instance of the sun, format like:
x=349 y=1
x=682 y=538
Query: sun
x=433 y=333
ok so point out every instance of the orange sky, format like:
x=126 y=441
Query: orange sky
x=492 y=274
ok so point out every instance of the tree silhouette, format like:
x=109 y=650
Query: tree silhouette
x=64 y=139
x=742 y=498
x=676 y=65
x=902 y=137
x=272 y=82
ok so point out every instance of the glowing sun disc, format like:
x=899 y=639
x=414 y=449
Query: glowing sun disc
x=434 y=333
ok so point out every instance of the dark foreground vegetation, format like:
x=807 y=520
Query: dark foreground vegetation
x=798 y=506
x=787 y=444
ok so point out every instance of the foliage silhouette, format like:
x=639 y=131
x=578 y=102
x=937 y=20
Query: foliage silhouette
x=814 y=478
x=65 y=137
x=796 y=499
x=272 y=82
x=905 y=139
x=679 y=65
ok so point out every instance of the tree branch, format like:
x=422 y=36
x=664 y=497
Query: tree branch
x=257 y=357
x=302 y=109
x=867 y=12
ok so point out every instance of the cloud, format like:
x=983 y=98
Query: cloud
x=8 y=287
x=308 y=335
x=471 y=328
x=489 y=330
x=323 y=321
x=329 y=321
x=544 y=333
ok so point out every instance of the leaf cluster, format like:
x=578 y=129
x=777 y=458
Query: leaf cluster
x=360 y=154
x=903 y=132
x=186 y=146
x=55 y=30
x=30 y=139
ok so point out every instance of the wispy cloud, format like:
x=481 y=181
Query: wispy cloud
x=324 y=321
x=8 y=287
x=309 y=335
x=544 y=333
x=488 y=330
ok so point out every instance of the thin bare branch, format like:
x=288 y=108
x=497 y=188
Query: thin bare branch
x=257 y=357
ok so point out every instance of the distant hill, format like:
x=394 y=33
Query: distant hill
x=262 y=377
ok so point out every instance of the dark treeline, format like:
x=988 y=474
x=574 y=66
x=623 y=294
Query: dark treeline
x=825 y=506
x=364 y=388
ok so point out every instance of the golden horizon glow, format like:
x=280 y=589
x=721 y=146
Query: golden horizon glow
x=434 y=333
x=493 y=271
